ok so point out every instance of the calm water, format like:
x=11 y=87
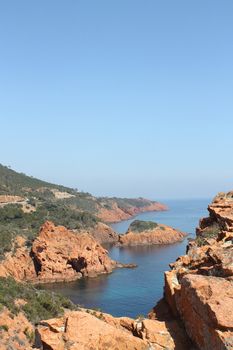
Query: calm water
x=130 y=292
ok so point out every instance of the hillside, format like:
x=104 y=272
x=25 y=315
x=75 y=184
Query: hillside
x=26 y=203
x=35 y=191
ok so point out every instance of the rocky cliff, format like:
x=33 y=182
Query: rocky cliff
x=148 y=233
x=57 y=254
x=199 y=287
x=117 y=209
x=196 y=312
x=103 y=233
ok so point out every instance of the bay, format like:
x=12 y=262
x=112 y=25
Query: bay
x=133 y=292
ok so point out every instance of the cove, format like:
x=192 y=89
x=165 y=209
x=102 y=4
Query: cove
x=133 y=292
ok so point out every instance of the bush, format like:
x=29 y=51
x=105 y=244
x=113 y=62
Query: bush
x=140 y=226
x=40 y=304
x=210 y=232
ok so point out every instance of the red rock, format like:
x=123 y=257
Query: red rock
x=103 y=233
x=116 y=213
x=94 y=330
x=61 y=254
x=57 y=254
x=199 y=288
x=162 y=234
x=16 y=332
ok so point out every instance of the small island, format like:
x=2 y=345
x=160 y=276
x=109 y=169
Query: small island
x=148 y=232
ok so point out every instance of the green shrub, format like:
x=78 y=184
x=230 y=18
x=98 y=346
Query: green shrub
x=40 y=304
x=210 y=232
x=4 y=327
x=140 y=226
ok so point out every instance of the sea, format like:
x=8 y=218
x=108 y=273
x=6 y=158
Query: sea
x=133 y=292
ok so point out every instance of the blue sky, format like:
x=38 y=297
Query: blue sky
x=121 y=97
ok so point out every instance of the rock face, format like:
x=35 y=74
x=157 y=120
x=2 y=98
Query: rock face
x=16 y=332
x=199 y=288
x=85 y=331
x=147 y=233
x=19 y=264
x=6 y=199
x=58 y=254
x=118 y=213
x=104 y=233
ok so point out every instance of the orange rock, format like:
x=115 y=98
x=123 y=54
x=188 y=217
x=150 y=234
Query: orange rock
x=57 y=254
x=116 y=213
x=199 y=288
x=18 y=265
x=162 y=234
x=205 y=304
x=16 y=332
x=7 y=199
x=61 y=254
x=104 y=233
x=82 y=330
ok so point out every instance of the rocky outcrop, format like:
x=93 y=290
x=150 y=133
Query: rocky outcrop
x=19 y=263
x=199 y=288
x=7 y=199
x=150 y=233
x=58 y=254
x=104 y=332
x=16 y=332
x=103 y=233
x=116 y=213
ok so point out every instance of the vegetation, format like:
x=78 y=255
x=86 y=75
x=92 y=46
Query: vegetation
x=210 y=232
x=14 y=183
x=140 y=226
x=13 y=221
x=60 y=204
x=40 y=304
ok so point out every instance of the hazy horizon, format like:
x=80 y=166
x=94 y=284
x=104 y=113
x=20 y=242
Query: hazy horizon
x=122 y=98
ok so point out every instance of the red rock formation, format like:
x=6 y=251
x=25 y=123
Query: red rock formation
x=57 y=254
x=93 y=330
x=18 y=264
x=104 y=233
x=116 y=213
x=61 y=254
x=16 y=332
x=199 y=288
x=161 y=234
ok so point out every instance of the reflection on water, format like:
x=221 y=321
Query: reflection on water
x=135 y=291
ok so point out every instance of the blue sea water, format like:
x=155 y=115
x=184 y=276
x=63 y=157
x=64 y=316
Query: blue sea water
x=132 y=292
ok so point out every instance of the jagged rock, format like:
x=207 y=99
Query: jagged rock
x=104 y=233
x=116 y=213
x=199 y=288
x=61 y=254
x=16 y=332
x=205 y=304
x=94 y=330
x=83 y=331
x=57 y=254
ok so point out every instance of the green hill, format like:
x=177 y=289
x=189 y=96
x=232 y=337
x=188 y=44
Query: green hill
x=40 y=201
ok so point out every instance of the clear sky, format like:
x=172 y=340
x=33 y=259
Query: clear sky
x=119 y=97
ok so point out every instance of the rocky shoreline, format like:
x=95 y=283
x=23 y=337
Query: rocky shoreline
x=195 y=313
